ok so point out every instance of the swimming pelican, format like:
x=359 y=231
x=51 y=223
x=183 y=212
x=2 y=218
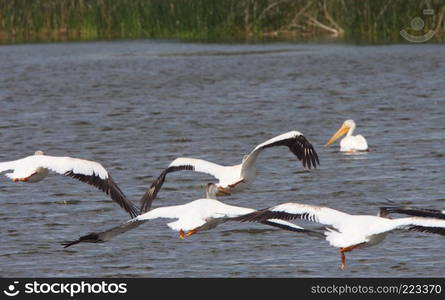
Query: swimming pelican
x=36 y=167
x=198 y=215
x=346 y=231
x=350 y=143
x=236 y=177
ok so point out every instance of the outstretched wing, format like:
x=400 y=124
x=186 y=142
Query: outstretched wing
x=90 y=172
x=291 y=211
x=180 y=164
x=107 y=235
x=291 y=227
x=413 y=211
x=169 y=212
x=422 y=224
x=297 y=144
x=8 y=165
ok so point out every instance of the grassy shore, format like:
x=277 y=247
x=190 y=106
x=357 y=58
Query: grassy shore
x=360 y=20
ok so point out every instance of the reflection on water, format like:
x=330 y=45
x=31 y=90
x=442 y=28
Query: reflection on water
x=134 y=106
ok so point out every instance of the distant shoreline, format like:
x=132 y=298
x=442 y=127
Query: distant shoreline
x=368 y=21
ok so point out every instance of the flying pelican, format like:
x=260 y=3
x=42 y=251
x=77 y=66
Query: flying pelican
x=350 y=143
x=236 y=177
x=36 y=167
x=346 y=231
x=198 y=215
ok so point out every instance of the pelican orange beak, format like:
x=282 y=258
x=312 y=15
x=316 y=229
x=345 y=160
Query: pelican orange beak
x=193 y=231
x=341 y=132
x=223 y=192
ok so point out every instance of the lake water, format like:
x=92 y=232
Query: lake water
x=134 y=106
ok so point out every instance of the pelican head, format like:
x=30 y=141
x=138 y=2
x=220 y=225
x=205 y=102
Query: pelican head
x=348 y=126
x=211 y=191
x=39 y=153
x=214 y=190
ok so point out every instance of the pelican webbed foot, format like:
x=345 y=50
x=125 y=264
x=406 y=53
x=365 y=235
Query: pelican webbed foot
x=342 y=254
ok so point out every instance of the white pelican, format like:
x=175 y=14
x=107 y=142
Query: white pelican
x=36 y=167
x=237 y=176
x=346 y=231
x=198 y=215
x=350 y=143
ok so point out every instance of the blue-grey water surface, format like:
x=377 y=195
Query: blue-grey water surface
x=134 y=106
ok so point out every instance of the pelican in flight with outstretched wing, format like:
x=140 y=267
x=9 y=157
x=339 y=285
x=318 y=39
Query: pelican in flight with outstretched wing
x=350 y=143
x=36 y=167
x=232 y=178
x=346 y=231
x=198 y=215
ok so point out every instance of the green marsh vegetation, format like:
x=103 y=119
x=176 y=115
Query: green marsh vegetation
x=359 y=20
